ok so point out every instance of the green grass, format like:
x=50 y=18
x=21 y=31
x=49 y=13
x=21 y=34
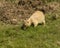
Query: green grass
x=40 y=37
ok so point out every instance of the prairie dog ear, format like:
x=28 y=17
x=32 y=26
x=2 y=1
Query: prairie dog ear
x=25 y=18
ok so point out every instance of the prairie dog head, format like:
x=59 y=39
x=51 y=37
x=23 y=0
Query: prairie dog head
x=26 y=23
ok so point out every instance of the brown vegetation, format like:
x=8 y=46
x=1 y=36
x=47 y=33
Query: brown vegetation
x=22 y=9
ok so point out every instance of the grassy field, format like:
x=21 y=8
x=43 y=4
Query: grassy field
x=40 y=37
x=12 y=36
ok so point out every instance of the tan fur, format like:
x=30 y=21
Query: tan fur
x=36 y=18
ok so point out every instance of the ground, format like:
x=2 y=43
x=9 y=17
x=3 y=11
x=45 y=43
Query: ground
x=12 y=36
x=48 y=36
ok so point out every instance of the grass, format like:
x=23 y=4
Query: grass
x=40 y=37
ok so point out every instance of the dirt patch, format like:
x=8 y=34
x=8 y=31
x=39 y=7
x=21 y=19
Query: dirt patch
x=22 y=9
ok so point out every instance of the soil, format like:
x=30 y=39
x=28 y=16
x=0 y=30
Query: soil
x=19 y=10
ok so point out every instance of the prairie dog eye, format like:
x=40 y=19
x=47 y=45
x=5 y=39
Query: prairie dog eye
x=27 y=22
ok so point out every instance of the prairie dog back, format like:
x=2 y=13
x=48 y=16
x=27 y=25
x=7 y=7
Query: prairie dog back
x=38 y=16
